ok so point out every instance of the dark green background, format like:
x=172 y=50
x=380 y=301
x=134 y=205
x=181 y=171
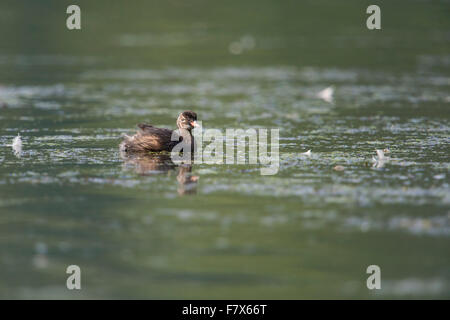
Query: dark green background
x=307 y=232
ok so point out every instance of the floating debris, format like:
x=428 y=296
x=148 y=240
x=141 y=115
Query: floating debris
x=17 y=145
x=380 y=159
x=338 y=168
x=380 y=155
x=307 y=153
x=326 y=94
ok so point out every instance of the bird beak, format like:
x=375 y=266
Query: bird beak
x=195 y=124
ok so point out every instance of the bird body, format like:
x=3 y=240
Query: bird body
x=153 y=139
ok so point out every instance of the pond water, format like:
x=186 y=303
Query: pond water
x=225 y=231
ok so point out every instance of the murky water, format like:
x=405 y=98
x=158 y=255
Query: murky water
x=143 y=228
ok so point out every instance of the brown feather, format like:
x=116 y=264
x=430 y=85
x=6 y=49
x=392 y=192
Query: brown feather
x=149 y=139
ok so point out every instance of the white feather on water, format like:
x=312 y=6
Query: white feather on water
x=307 y=153
x=17 y=145
x=326 y=94
x=380 y=159
x=380 y=154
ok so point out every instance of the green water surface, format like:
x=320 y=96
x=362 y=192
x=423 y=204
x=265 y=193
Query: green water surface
x=227 y=233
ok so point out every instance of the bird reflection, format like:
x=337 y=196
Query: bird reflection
x=187 y=183
x=151 y=164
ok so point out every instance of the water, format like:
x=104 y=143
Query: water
x=142 y=228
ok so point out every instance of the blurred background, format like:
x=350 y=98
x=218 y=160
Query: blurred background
x=149 y=230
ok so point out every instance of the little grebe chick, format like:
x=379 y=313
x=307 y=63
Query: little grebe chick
x=152 y=139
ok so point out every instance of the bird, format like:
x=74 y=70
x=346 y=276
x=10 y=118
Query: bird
x=153 y=139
